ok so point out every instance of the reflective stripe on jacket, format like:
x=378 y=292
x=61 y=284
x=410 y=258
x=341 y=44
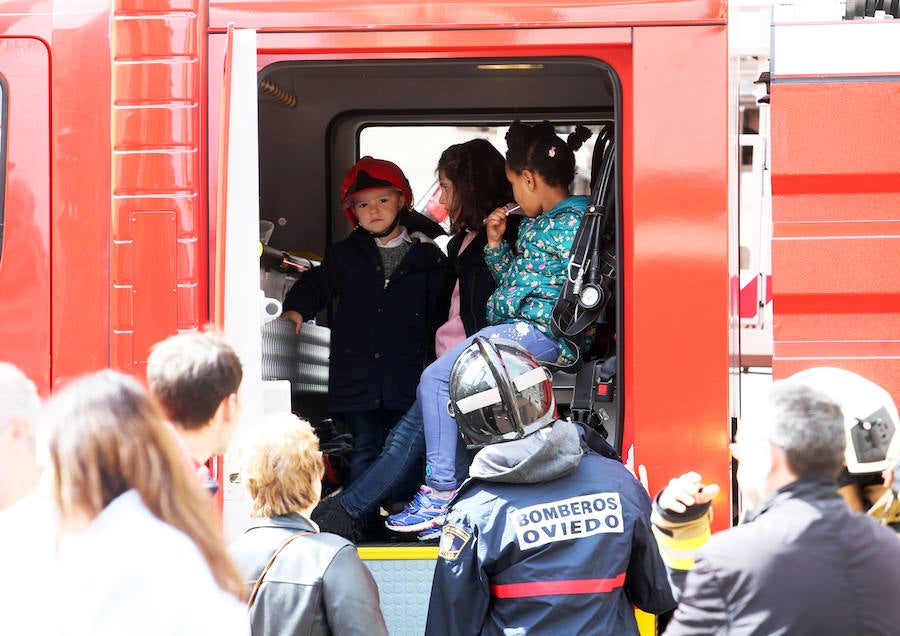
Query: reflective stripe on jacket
x=567 y=555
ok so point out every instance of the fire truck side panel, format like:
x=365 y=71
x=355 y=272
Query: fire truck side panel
x=676 y=262
x=25 y=212
x=59 y=118
x=158 y=278
x=836 y=192
x=80 y=151
x=319 y=15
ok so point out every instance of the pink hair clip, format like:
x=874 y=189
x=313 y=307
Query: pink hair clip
x=552 y=152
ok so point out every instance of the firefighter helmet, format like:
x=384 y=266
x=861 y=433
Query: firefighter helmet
x=369 y=173
x=870 y=417
x=499 y=392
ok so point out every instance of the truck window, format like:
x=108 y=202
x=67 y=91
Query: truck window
x=416 y=149
x=405 y=111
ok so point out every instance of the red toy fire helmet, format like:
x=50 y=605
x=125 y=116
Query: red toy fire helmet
x=369 y=173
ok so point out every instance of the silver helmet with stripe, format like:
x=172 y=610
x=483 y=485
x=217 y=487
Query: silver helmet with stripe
x=499 y=392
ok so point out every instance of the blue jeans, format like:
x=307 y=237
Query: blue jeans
x=445 y=449
x=397 y=472
x=369 y=430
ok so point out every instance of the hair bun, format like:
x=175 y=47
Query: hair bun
x=578 y=137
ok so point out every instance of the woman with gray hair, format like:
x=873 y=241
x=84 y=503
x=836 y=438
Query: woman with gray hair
x=300 y=581
x=27 y=516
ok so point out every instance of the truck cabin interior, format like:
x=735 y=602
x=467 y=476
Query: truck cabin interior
x=316 y=120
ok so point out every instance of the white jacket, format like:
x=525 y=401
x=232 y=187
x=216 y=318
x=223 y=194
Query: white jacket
x=28 y=531
x=130 y=573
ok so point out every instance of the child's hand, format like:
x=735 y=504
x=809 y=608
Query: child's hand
x=495 y=226
x=295 y=318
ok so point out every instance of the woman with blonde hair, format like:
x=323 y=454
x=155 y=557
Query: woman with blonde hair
x=139 y=552
x=301 y=581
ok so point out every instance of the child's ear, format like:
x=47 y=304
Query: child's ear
x=530 y=179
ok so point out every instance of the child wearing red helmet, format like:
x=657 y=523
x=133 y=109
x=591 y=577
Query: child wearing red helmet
x=384 y=278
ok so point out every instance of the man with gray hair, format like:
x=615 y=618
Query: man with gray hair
x=28 y=519
x=19 y=410
x=801 y=562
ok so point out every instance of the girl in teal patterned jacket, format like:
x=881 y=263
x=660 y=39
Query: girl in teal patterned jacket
x=541 y=167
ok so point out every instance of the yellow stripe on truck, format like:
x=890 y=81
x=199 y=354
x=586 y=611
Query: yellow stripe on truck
x=646 y=622
x=394 y=553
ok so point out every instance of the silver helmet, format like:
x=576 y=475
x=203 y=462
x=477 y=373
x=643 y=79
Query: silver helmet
x=499 y=392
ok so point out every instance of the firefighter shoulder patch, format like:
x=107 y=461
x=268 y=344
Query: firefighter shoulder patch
x=453 y=540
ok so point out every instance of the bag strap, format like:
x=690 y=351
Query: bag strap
x=592 y=262
x=269 y=565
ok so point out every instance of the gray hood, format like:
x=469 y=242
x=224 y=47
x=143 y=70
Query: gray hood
x=547 y=454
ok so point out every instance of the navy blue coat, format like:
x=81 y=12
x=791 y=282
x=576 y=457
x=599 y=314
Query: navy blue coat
x=566 y=556
x=382 y=336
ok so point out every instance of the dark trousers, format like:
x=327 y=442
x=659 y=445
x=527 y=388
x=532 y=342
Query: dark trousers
x=370 y=429
x=397 y=472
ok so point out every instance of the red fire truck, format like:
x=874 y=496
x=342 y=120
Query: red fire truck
x=144 y=140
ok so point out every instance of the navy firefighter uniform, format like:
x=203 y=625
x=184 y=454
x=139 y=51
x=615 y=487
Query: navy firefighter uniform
x=548 y=536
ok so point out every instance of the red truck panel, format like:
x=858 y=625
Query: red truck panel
x=836 y=234
x=158 y=276
x=322 y=15
x=25 y=255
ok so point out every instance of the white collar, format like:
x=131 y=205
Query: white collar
x=396 y=241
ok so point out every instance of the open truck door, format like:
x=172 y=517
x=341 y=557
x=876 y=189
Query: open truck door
x=235 y=267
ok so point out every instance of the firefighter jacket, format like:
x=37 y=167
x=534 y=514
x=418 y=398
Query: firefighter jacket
x=547 y=537
x=382 y=334
x=801 y=564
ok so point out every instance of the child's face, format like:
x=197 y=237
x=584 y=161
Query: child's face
x=448 y=196
x=376 y=209
x=523 y=187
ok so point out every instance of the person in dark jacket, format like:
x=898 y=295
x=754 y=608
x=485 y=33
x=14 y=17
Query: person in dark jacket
x=551 y=533
x=472 y=176
x=316 y=584
x=540 y=167
x=473 y=184
x=801 y=562
x=385 y=281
